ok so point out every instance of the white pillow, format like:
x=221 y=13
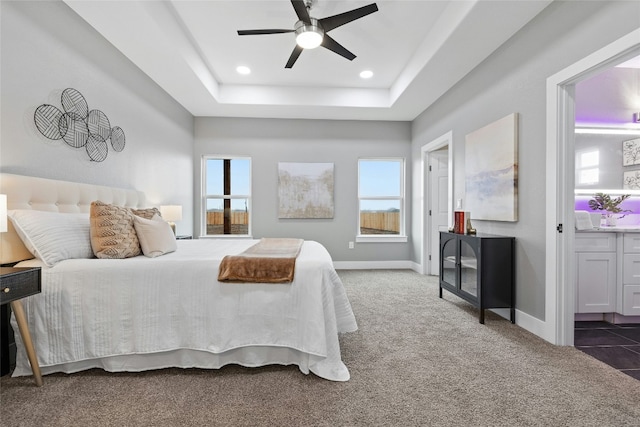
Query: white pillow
x=155 y=236
x=53 y=236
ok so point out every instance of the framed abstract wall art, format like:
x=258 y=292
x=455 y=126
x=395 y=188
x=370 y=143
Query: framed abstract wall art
x=491 y=171
x=305 y=190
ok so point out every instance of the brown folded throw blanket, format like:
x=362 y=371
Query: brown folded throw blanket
x=271 y=260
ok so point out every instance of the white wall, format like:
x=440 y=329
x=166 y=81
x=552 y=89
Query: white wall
x=513 y=79
x=46 y=48
x=269 y=141
x=609 y=148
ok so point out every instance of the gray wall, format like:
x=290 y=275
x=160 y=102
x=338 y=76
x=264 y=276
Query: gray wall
x=269 y=141
x=46 y=48
x=513 y=79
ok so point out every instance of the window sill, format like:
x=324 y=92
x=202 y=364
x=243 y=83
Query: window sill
x=380 y=238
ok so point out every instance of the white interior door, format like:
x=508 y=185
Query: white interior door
x=438 y=203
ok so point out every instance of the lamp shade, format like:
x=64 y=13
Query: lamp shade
x=171 y=212
x=3 y=213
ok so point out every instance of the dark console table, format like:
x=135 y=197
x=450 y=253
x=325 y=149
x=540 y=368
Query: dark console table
x=479 y=269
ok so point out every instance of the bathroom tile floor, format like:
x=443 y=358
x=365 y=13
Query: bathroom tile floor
x=615 y=345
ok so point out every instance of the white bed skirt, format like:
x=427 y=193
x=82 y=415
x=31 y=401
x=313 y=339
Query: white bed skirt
x=249 y=357
x=144 y=313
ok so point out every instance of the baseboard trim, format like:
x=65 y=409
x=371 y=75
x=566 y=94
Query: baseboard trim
x=588 y=317
x=534 y=325
x=374 y=265
x=614 y=318
x=617 y=318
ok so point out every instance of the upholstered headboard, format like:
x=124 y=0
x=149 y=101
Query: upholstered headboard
x=27 y=192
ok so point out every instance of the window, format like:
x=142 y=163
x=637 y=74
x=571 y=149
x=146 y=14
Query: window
x=587 y=167
x=227 y=196
x=381 y=199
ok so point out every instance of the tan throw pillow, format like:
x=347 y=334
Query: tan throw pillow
x=112 y=232
x=147 y=213
x=155 y=235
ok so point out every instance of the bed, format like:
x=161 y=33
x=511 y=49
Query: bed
x=143 y=313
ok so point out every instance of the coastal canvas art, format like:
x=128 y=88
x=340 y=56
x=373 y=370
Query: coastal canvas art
x=305 y=190
x=491 y=171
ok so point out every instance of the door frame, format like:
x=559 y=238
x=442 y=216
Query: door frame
x=559 y=246
x=445 y=140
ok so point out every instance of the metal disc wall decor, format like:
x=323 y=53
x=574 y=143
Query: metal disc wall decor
x=47 y=118
x=117 y=139
x=74 y=130
x=99 y=124
x=97 y=148
x=74 y=102
x=78 y=126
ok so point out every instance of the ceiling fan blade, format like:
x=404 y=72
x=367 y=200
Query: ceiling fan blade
x=331 y=22
x=336 y=47
x=294 y=56
x=267 y=31
x=301 y=10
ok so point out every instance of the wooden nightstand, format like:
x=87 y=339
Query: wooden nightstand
x=15 y=284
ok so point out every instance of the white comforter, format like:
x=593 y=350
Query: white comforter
x=148 y=313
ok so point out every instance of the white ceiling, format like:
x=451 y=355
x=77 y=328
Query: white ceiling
x=416 y=49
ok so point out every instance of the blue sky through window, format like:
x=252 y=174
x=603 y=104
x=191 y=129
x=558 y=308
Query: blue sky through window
x=240 y=176
x=380 y=178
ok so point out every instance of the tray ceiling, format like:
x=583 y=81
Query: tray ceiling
x=417 y=50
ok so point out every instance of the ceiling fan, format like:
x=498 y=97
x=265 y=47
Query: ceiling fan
x=312 y=32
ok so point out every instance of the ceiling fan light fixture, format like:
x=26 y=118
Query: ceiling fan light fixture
x=310 y=32
x=309 y=36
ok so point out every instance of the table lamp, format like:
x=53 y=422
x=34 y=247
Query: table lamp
x=171 y=213
x=3 y=213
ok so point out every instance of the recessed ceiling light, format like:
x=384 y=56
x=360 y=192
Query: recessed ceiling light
x=244 y=70
x=366 y=74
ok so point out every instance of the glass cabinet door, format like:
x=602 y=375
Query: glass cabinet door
x=449 y=262
x=468 y=269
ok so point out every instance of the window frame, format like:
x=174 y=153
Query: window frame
x=401 y=237
x=580 y=168
x=205 y=197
